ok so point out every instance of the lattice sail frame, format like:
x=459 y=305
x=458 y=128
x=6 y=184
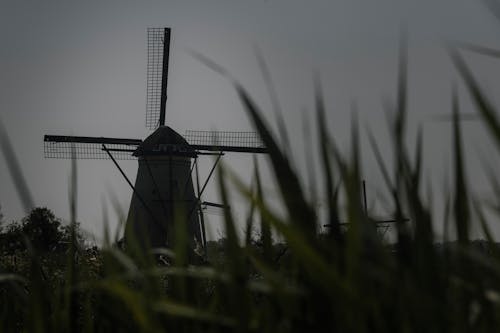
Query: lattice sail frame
x=224 y=138
x=62 y=147
x=154 y=75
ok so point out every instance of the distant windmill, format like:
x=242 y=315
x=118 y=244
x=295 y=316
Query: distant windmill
x=163 y=188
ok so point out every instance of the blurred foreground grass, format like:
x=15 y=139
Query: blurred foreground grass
x=344 y=280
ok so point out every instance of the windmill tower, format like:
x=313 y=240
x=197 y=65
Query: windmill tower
x=164 y=188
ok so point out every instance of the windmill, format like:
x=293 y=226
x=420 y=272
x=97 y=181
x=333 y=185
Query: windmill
x=164 y=186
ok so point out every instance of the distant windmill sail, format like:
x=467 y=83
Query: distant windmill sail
x=157 y=76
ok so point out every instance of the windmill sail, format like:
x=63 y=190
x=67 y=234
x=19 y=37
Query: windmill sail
x=226 y=141
x=84 y=147
x=157 y=76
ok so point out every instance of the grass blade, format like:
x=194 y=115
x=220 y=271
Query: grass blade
x=461 y=203
x=291 y=191
x=486 y=109
x=15 y=171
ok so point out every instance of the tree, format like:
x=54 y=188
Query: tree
x=43 y=229
x=11 y=240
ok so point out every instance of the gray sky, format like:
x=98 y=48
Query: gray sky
x=79 y=68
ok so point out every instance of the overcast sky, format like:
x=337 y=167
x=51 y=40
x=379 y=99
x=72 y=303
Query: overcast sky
x=79 y=68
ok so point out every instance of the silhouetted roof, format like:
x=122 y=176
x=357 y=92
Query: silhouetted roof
x=164 y=141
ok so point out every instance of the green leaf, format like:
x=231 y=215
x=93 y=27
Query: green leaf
x=187 y=311
x=299 y=211
x=486 y=109
x=461 y=202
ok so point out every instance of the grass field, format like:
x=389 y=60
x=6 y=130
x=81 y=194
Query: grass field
x=345 y=280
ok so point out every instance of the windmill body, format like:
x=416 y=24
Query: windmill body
x=165 y=184
x=164 y=191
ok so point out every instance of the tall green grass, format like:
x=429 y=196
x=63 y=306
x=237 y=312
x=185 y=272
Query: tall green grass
x=342 y=280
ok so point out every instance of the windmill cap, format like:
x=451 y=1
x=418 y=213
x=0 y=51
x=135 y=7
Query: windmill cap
x=164 y=141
